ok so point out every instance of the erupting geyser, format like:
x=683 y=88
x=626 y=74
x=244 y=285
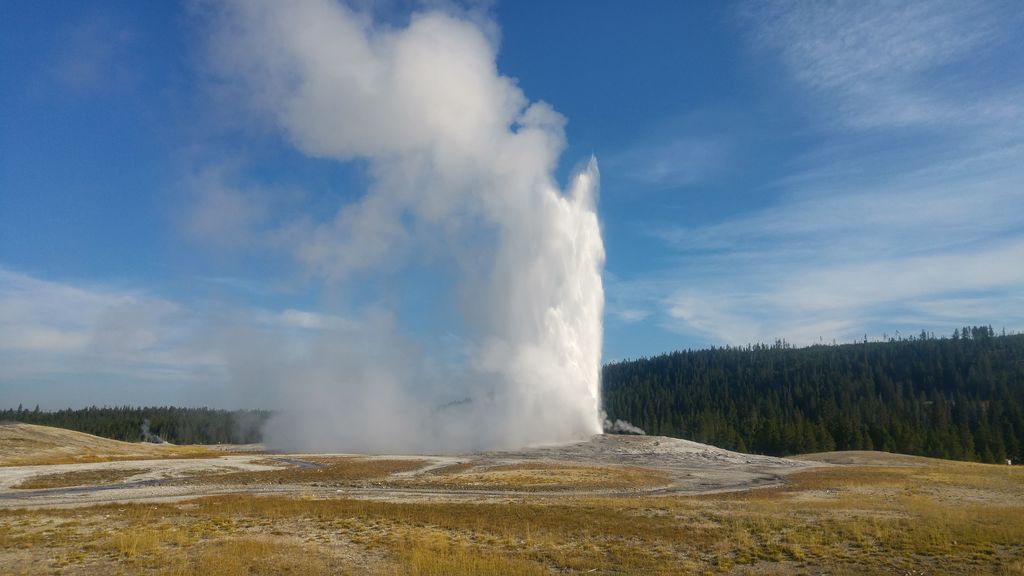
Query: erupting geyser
x=462 y=168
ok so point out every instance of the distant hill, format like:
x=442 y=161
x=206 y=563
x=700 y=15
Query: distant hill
x=28 y=444
x=155 y=424
x=960 y=397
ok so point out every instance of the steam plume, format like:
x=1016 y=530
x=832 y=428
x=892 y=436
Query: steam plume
x=619 y=426
x=462 y=167
x=148 y=436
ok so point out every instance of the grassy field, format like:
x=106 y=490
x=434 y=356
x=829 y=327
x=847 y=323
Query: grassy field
x=907 y=516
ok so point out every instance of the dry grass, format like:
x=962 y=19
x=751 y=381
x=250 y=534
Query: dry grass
x=330 y=471
x=250 y=557
x=437 y=555
x=78 y=478
x=452 y=469
x=537 y=477
x=31 y=445
x=166 y=453
x=935 y=518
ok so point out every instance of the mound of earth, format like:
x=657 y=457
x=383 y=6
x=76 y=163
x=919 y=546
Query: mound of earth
x=29 y=444
x=660 y=451
x=867 y=458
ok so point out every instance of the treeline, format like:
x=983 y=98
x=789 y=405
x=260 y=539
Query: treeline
x=154 y=424
x=960 y=397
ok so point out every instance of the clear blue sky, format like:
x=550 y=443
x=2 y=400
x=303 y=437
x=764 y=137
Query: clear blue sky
x=811 y=171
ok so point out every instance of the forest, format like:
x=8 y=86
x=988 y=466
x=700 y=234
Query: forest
x=958 y=397
x=152 y=424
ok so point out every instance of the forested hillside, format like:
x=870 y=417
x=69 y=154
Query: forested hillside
x=960 y=397
x=177 y=425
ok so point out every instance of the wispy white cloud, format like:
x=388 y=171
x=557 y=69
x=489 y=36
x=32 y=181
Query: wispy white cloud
x=878 y=63
x=632 y=314
x=882 y=226
x=291 y=319
x=670 y=161
x=832 y=260
x=907 y=279
x=937 y=206
x=628 y=301
x=51 y=327
x=804 y=303
x=53 y=331
x=676 y=151
x=94 y=55
x=223 y=214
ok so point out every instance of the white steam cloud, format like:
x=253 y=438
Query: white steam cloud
x=462 y=169
x=620 y=426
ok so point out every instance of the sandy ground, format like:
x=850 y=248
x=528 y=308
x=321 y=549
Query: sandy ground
x=684 y=468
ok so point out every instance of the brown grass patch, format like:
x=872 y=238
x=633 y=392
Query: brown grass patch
x=437 y=555
x=253 y=556
x=330 y=471
x=538 y=477
x=168 y=453
x=78 y=478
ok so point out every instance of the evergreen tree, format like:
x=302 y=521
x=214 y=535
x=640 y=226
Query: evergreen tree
x=959 y=397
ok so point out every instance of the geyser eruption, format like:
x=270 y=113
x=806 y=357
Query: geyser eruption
x=462 y=168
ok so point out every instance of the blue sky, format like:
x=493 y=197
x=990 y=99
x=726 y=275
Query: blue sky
x=808 y=171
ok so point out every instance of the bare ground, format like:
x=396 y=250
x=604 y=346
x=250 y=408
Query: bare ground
x=603 y=465
x=609 y=505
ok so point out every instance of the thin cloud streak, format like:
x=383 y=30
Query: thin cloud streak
x=836 y=264
x=672 y=162
x=879 y=64
x=906 y=214
x=50 y=330
x=923 y=210
x=805 y=304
